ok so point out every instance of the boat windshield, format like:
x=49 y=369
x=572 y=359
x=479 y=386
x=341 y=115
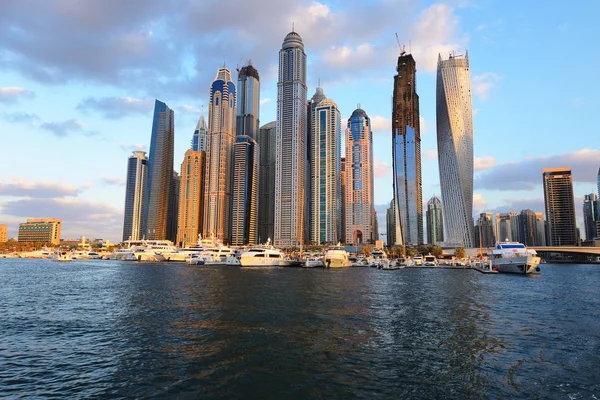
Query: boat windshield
x=511 y=246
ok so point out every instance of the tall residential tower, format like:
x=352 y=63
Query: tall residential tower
x=133 y=225
x=267 y=144
x=560 y=206
x=435 y=221
x=455 y=147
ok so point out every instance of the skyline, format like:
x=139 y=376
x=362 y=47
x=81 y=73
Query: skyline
x=105 y=104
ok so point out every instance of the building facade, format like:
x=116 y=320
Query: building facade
x=174 y=207
x=246 y=159
x=219 y=154
x=485 y=233
x=454 y=118
x=40 y=230
x=159 y=183
x=267 y=143
x=200 y=135
x=191 y=197
x=528 y=228
x=135 y=186
x=325 y=164
x=342 y=231
x=560 y=206
x=3 y=233
x=359 y=179
x=541 y=229
x=435 y=221
x=504 y=228
x=590 y=215
x=406 y=154
x=390 y=223
x=290 y=174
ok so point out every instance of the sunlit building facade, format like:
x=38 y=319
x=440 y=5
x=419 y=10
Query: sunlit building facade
x=290 y=180
x=325 y=186
x=40 y=230
x=454 y=118
x=560 y=206
x=267 y=143
x=135 y=186
x=3 y=233
x=200 y=135
x=590 y=215
x=159 y=183
x=191 y=197
x=360 y=208
x=406 y=154
x=219 y=154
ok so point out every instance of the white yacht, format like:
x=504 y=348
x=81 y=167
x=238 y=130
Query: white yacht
x=430 y=261
x=221 y=255
x=42 y=253
x=63 y=255
x=154 y=250
x=418 y=260
x=86 y=255
x=336 y=258
x=261 y=256
x=313 y=262
x=514 y=258
x=378 y=254
x=125 y=254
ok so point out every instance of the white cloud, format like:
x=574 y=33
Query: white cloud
x=191 y=110
x=37 y=189
x=116 y=107
x=265 y=101
x=482 y=84
x=381 y=169
x=430 y=154
x=63 y=128
x=483 y=163
x=12 y=94
x=424 y=125
x=479 y=202
x=381 y=124
x=133 y=147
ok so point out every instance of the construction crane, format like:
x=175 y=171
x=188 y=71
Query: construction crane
x=402 y=51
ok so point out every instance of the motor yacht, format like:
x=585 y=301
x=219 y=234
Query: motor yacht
x=336 y=258
x=63 y=255
x=515 y=258
x=261 y=256
x=313 y=262
x=430 y=261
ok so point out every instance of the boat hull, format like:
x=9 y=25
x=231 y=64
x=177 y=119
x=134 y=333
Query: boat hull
x=259 y=262
x=517 y=265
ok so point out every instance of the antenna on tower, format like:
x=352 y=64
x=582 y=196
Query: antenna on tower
x=293 y=26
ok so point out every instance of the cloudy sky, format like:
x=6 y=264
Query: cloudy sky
x=78 y=80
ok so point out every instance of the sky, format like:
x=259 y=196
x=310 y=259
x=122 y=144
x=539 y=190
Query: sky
x=78 y=81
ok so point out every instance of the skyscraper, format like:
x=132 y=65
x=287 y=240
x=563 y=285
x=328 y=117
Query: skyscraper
x=133 y=225
x=200 y=134
x=590 y=215
x=455 y=147
x=484 y=232
x=219 y=154
x=325 y=189
x=528 y=225
x=290 y=184
x=560 y=206
x=267 y=142
x=359 y=179
x=159 y=183
x=191 y=197
x=390 y=221
x=435 y=221
x=541 y=229
x=342 y=231
x=244 y=229
x=406 y=153
x=174 y=207
x=504 y=228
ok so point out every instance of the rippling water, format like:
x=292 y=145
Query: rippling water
x=120 y=330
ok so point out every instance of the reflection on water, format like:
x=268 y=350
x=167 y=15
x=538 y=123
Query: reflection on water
x=121 y=330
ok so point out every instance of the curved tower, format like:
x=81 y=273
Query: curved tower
x=291 y=143
x=359 y=180
x=219 y=151
x=455 y=148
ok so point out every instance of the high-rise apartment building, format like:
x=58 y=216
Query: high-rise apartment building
x=560 y=206
x=541 y=229
x=485 y=232
x=455 y=147
x=200 y=135
x=3 y=233
x=390 y=222
x=528 y=232
x=590 y=215
x=219 y=154
x=325 y=188
x=191 y=197
x=290 y=181
x=359 y=179
x=135 y=186
x=40 y=230
x=267 y=143
x=435 y=221
x=504 y=228
x=406 y=153
x=174 y=207
x=159 y=183
x=246 y=159
x=342 y=231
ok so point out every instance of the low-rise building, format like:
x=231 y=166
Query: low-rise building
x=40 y=230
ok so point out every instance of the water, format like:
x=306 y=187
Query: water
x=106 y=329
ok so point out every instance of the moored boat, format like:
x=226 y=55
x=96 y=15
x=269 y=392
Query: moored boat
x=336 y=258
x=515 y=258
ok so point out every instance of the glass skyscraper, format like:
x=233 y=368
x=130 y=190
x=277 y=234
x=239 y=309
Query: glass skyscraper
x=219 y=154
x=455 y=147
x=267 y=142
x=290 y=184
x=159 y=184
x=191 y=197
x=325 y=189
x=560 y=206
x=133 y=225
x=591 y=214
x=360 y=208
x=435 y=221
x=200 y=134
x=244 y=229
x=406 y=154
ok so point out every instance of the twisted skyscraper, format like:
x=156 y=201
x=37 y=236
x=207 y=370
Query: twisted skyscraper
x=455 y=148
x=290 y=185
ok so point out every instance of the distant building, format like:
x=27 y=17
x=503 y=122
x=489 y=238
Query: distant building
x=455 y=147
x=325 y=147
x=159 y=183
x=560 y=206
x=390 y=222
x=406 y=153
x=219 y=154
x=135 y=186
x=504 y=228
x=200 y=134
x=191 y=197
x=359 y=179
x=266 y=182
x=590 y=215
x=541 y=229
x=484 y=231
x=435 y=221
x=3 y=233
x=40 y=230
x=290 y=177
x=174 y=207
x=342 y=200
x=246 y=160
x=528 y=225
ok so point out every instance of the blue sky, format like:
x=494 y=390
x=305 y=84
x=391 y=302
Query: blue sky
x=78 y=80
